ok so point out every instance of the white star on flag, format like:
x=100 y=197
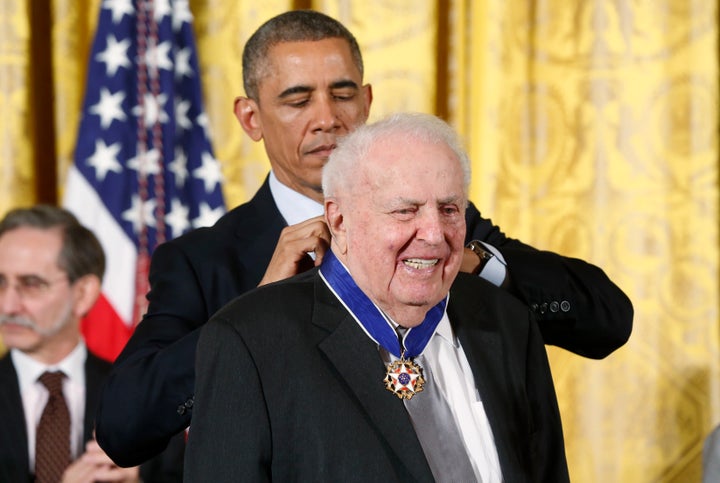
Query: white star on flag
x=109 y=107
x=209 y=172
x=208 y=216
x=177 y=219
x=115 y=55
x=119 y=8
x=153 y=108
x=104 y=159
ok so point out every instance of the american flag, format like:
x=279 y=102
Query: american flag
x=144 y=171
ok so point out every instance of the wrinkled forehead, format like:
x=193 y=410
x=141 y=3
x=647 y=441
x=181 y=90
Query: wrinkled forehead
x=284 y=58
x=27 y=250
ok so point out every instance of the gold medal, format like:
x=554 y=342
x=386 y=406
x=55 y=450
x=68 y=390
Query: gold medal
x=404 y=378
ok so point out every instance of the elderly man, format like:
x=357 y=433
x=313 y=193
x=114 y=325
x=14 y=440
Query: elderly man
x=50 y=275
x=291 y=383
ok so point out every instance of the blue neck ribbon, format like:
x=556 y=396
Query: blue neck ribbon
x=376 y=324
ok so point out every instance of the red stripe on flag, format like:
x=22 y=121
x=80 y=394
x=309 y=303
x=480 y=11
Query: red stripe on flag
x=105 y=332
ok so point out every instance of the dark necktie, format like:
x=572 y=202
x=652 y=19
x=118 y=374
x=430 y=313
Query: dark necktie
x=52 y=443
x=439 y=436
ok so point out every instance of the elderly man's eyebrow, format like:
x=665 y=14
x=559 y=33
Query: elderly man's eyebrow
x=450 y=200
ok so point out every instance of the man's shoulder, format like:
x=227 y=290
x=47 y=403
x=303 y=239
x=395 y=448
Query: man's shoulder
x=96 y=362
x=286 y=302
x=250 y=217
x=277 y=296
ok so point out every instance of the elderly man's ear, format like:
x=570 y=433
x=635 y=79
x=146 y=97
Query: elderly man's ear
x=336 y=223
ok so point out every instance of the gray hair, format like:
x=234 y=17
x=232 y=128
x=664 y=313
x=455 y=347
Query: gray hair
x=81 y=252
x=353 y=148
x=292 y=26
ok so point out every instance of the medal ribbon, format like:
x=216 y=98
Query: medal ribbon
x=375 y=323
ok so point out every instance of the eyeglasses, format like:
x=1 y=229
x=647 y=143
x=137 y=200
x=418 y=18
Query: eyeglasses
x=29 y=287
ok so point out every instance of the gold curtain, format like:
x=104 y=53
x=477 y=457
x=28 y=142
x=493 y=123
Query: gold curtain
x=593 y=129
x=593 y=132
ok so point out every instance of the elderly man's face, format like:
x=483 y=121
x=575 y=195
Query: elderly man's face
x=403 y=226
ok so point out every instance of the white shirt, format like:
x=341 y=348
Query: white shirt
x=35 y=396
x=293 y=206
x=451 y=372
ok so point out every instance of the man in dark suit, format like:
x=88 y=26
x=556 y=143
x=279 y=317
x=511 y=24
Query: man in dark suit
x=303 y=77
x=50 y=275
x=290 y=376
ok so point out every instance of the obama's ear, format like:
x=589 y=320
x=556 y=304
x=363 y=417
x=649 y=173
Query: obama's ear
x=247 y=113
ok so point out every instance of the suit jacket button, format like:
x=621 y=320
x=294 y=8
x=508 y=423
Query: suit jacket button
x=189 y=403
x=181 y=409
x=565 y=306
x=543 y=307
x=554 y=306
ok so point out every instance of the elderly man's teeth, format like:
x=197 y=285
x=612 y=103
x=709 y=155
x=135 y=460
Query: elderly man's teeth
x=420 y=263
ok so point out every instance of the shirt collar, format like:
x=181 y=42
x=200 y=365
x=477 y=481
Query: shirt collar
x=443 y=329
x=29 y=369
x=293 y=206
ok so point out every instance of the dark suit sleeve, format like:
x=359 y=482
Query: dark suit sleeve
x=576 y=305
x=148 y=395
x=167 y=466
x=229 y=439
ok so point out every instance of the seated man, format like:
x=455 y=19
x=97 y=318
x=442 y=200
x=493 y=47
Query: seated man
x=51 y=269
x=290 y=377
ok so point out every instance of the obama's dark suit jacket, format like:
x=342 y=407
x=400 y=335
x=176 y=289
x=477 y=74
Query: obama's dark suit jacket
x=289 y=388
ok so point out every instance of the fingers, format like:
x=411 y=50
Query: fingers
x=291 y=252
x=94 y=465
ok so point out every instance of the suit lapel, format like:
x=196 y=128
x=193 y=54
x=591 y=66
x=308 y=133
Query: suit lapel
x=257 y=228
x=486 y=354
x=357 y=360
x=13 y=436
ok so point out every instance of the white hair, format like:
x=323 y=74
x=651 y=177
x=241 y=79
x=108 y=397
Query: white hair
x=342 y=165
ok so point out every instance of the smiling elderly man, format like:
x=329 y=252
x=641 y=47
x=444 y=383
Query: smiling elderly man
x=384 y=364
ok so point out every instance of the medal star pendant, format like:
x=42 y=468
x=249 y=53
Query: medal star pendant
x=404 y=378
